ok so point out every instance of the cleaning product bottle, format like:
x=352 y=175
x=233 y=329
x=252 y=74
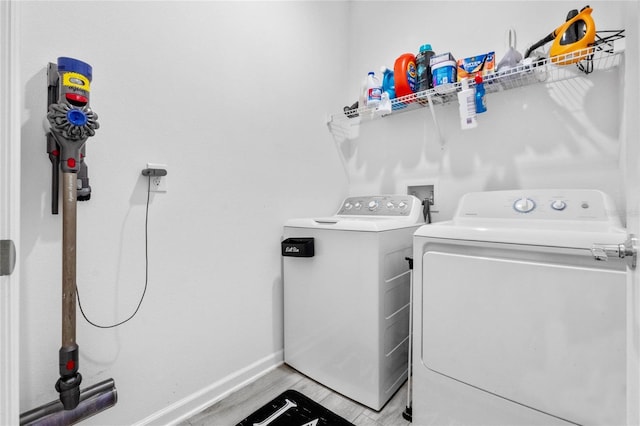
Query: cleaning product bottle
x=423 y=66
x=467 y=107
x=481 y=104
x=388 y=84
x=389 y=87
x=374 y=91
x=388 y=90
x=405 y=74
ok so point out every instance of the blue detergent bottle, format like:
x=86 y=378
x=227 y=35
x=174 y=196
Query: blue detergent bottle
x=481 y=103
x=388 y=86
x=387 y=82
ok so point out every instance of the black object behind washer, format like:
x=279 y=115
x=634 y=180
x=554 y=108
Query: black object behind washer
x=305 y=412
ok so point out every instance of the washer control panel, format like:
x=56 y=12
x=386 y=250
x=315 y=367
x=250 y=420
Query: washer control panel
x=379 y=205
x=543 y=204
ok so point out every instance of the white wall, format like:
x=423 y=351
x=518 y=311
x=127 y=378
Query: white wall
x=232 y=96
x=559 y=135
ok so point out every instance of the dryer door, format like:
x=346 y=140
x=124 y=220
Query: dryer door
x=543 y=327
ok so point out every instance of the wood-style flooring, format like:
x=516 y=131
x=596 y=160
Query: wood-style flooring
x=240 y=404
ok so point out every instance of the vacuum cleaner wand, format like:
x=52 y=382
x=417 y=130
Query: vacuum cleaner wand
x=68 y=385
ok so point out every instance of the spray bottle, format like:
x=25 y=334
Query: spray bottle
x=481 y=104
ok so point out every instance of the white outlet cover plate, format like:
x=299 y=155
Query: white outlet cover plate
x=158 y=183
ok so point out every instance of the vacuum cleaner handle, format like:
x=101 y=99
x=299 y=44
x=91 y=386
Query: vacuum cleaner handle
x=54 y=157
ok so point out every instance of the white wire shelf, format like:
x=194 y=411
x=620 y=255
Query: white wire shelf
x=547 y=70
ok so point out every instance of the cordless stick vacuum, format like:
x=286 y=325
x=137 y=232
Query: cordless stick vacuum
x=71 y=122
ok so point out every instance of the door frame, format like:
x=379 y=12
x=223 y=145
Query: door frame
x=9 y=209
x=630 y=136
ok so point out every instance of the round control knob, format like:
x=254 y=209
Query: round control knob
x=357 y=205
x=402 y=205
x=390 y=205
x=348 y=206
x=373 y=205
x=524 y=205
x=558 y=205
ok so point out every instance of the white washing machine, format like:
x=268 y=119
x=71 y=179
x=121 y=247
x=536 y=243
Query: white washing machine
x=515 y=321
x=346 y=296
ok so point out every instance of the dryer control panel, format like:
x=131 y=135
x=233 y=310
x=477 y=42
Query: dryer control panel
x=380 y=205
x=540 y=204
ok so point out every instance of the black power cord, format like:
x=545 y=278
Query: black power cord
x=146 y=270
x=604 y=44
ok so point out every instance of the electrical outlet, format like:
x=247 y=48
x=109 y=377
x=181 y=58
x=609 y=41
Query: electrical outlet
x=157 y=183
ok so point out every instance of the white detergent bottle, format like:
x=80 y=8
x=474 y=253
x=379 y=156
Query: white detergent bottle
x=374 y=90
x=467 y=106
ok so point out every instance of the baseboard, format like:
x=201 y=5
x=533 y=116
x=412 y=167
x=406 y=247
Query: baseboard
x=198 y=401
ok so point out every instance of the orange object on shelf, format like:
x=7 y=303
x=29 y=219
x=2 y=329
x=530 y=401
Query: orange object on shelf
x=405 y=74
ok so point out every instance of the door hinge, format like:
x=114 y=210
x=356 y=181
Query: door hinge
x=7 y=257
x=627 y=250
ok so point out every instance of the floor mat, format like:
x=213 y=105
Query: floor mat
x=291 y=408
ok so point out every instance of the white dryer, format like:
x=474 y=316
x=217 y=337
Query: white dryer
x=515 y=321
x=346 y=296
